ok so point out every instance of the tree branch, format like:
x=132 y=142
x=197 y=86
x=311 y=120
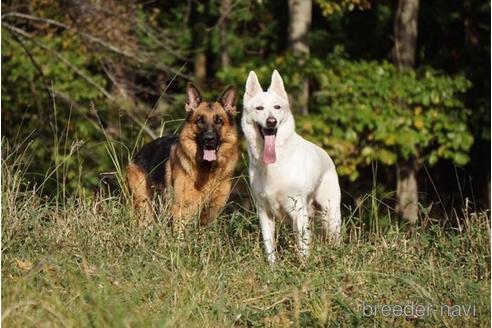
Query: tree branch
x=95 y=40
x=63 y=59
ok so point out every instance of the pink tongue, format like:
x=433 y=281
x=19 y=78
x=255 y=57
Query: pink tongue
x=269 y=156
x=209 y=155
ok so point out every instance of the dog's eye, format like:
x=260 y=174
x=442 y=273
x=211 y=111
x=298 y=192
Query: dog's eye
x=276 y=106
x=200 y=120
x=218 y=120
x=259 y=108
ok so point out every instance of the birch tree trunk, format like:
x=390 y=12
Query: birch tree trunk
x=405 y=29
x=300 y=12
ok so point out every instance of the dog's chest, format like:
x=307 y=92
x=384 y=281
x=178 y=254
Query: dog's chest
x=208 y=183
x=280 y=176
x=276 y=186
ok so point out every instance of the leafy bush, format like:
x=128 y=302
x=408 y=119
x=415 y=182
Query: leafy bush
x=368 y=111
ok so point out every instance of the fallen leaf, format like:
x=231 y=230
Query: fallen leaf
x=24 y=265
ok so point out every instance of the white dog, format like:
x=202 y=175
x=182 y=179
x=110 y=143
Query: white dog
x=289 y=175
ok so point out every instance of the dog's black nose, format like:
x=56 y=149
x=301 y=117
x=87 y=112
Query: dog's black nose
x=209 y=137
x=271 y=122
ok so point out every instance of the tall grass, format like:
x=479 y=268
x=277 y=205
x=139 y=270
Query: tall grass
x=84 y=261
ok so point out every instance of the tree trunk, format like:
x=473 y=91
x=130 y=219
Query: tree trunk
x=299 y=23
x=200 y=39
x=406 y=20
x=406 y=191
x=200 y=66
x=404 y=50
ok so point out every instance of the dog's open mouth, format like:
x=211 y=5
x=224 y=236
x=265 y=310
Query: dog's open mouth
x=269 y=135
x=266 y=131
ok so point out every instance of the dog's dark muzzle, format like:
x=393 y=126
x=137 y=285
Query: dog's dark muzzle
x=267 y=131
x=209 y=140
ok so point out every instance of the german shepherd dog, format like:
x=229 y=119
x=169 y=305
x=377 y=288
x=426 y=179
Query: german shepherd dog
x=194 y=167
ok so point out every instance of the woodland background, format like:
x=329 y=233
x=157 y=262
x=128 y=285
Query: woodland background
x=397 y=92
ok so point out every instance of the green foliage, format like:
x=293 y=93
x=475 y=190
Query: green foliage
x=368 y=111
x=47 y=101
x=23 y=73
x=330 y=7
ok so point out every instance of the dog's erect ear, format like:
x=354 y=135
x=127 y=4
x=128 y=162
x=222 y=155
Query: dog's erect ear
x=253 y=87
x=193 y=97
x=228 y=100
x=277 y=85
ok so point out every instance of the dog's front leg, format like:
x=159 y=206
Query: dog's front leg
x=268 y=231
x=217 y=203
x=186 y=204
x=300 y=218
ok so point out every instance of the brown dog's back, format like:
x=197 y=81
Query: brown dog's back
x=152 y=157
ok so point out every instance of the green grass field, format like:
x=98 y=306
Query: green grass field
x=85 y=262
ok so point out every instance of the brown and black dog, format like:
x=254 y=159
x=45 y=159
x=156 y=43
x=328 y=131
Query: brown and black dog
x=196 y=166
